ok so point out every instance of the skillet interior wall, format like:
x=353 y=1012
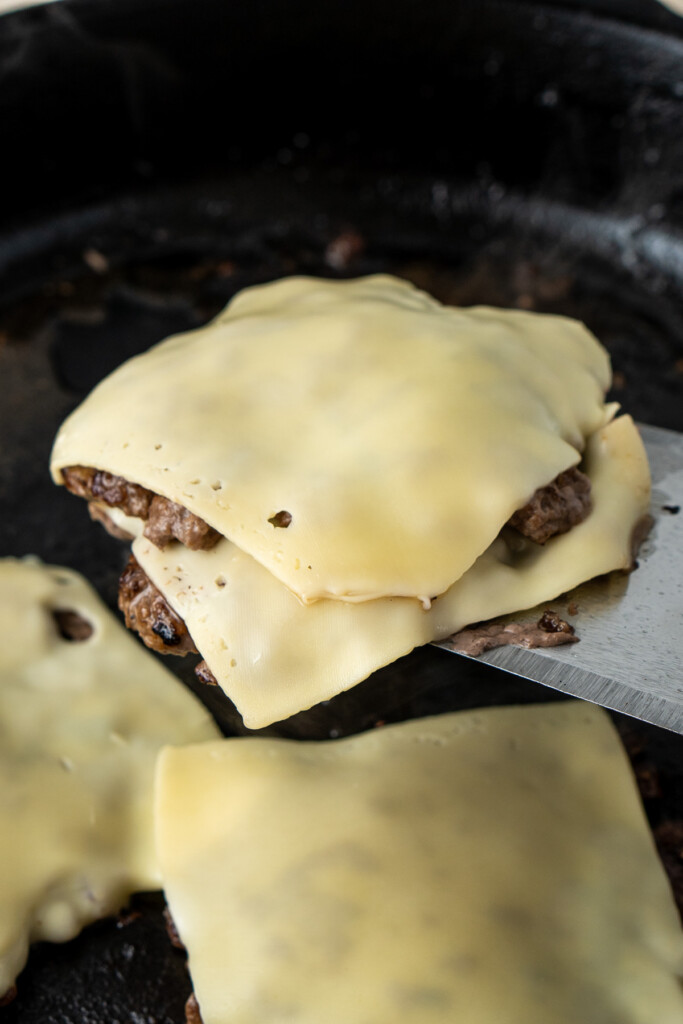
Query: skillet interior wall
x=159 y=155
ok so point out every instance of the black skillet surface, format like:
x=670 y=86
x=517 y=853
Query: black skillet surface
x=158 y=155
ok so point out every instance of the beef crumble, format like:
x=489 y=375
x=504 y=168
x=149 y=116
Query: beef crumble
x=164 y=519
x=550 y=622
x=556 y=508
x=549 y=631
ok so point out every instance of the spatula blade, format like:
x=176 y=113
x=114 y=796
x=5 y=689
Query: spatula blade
x=630 y=655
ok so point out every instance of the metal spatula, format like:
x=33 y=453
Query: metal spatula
x=630 y=654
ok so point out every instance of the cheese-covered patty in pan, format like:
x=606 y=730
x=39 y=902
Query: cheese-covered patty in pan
x=331 y=473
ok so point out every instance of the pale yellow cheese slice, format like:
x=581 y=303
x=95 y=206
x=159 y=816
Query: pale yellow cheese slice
x=398 y=433
x=490 y=867
x=274 y=656
x=81 y=723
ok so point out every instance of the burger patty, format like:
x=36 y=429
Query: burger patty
x=164 y=520
x=552 y=510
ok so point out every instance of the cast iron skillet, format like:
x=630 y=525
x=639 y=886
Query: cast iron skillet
x=158 y=155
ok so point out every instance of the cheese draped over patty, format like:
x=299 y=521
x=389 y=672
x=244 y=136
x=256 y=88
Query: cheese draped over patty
x=274 y=656
x=489 y=866
x=81 y=722
x=398 y=434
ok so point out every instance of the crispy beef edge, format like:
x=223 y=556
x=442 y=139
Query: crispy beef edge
x=164 y=520
x=148 y=613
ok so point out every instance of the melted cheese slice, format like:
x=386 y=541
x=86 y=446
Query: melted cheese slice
x=274 y=656
x=482 y=867
x=81 y=723
x=398 y=433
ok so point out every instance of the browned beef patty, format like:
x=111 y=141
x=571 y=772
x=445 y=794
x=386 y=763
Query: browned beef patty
x=552 y=510
x=164 y=520
x=168 y=521
x=556 y=508
x=96 y=485
x=147 y=611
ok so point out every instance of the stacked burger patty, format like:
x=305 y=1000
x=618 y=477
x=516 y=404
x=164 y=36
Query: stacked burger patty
x=552 y=510
x=332 y=473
